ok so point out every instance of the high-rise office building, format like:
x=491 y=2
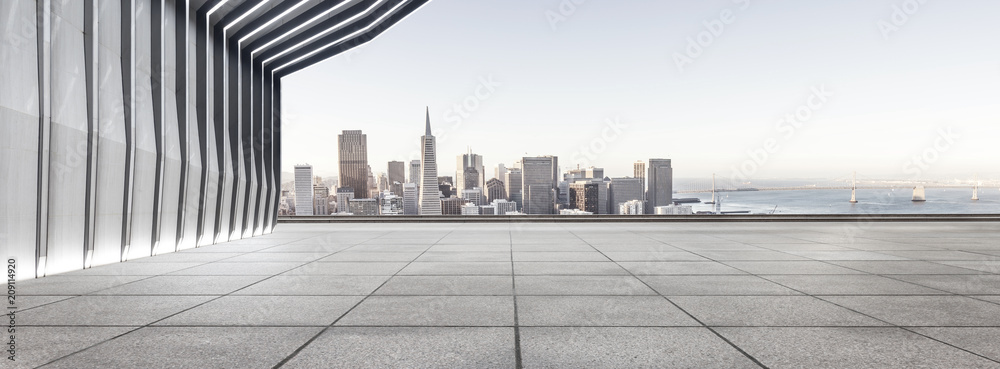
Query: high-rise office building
x=500 y=172
x=303 y=189
x=411 y=205
x=513 y=183
x=352 y=160
x=660 y=190
x=538 y=184
x=469 y=171
x=624 y=190
x=583 y=196
x=470 y=179
x=639 y=171
x=430 y=200
x=414 y=172
x=495 y=190
x=397 y=173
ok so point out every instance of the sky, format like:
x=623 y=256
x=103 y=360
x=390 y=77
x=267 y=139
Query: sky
x=747 y=89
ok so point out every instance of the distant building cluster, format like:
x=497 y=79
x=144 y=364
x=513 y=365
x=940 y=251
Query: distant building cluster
x=532 y=185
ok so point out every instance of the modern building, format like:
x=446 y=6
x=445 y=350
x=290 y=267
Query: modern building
x=500 y=172
x=488 y=210
x=391 y=204
x=503 y=207
x=583 y=196
x=495 y=190
x=365 y=207
x=445 y=185
x=414 y=172
x=452 y=206
x=469 y=178
x=639 y=171
x=538 y=184
x=397 y=173
x=512 y=180
x=473 y=195
x=430 y=197
x=660 y=179
x=562 y=199
x=469 y=171
x=583 y=173
x=303 y=189
x=411 y=204
x=321 y=199
x=673 y=209
x=344 y=196
x=352 y=162
x=623 y=190
x=470 y=209
x=631 y=207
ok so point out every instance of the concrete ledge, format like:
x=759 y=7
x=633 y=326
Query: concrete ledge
x=644 y=218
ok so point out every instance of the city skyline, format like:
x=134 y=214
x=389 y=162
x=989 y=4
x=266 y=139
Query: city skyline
x=890 y=97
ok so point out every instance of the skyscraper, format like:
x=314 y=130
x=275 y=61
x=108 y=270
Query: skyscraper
x=538 y=184
x=495 y=190
x=430 y=201
x=624 y=190
x=414 y=172
x=639 y=171
x=397 y=171
x=303 y=189
x=410 y=204
x=583 y=196
x=469 y=171
x=513 y=183
x=500 y=172
x=352 y=149
x=660 y=190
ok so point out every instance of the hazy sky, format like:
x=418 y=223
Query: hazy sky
x=823 y=87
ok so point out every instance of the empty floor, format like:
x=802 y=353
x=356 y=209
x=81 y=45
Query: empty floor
x=535 y=295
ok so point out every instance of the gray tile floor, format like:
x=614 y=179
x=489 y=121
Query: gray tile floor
x=613 y=295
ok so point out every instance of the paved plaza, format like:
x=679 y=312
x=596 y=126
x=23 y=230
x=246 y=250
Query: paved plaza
x=535 y=295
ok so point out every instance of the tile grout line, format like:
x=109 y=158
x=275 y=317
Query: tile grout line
x=296 y=352
x=518 y=361
x=150 y=324
x=891 y=325
x=710 y=329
